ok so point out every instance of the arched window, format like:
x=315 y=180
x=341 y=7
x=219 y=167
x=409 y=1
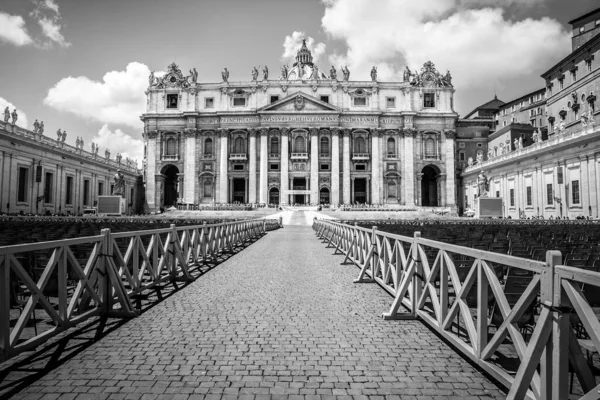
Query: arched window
x=430 y=148
x=392 y=189
x=207 y=188
x=299 y=145
x=208 y=147
x=274 y=145
x=171 y=149
x=391 y=147
x=360 y=145
x=239 y=146
x=325 y=146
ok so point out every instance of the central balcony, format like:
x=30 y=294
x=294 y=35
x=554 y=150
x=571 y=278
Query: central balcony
x=238 y=157
x=299 y=156
x=360 y=156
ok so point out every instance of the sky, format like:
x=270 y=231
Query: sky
x=82 y=66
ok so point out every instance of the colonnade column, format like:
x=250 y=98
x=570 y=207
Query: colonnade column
x=224 y=133
x=264 y=133
x=450 y=168
x=285 y=182
x=409 y=166
x=252 y=167
x=346 y=166
x=189 y=168
x=335 y=166
x=314 y=166
x=375 y=170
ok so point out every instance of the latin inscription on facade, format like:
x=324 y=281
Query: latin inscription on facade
x=300 y=118
x=240 y=120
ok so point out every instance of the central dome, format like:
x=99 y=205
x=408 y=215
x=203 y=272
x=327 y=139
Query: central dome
x=304 y=68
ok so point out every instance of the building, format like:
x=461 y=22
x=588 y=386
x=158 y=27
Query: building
x=41 y=175
x=305 y=137
x=552 y=174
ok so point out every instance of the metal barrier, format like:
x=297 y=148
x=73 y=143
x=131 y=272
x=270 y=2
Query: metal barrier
x=101 y=275
x=452 y=287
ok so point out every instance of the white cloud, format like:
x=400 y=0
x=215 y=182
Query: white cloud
x=22 y=117
x=13 y=30
x=51 y=30
x=48 y=17
x=292 y=44
x=118 y=99
x=477 y=45
x=118 y=141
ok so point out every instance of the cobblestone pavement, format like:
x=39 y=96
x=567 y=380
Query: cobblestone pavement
x=281 y=319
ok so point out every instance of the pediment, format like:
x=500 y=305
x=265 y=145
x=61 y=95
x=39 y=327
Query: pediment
x=299 y=102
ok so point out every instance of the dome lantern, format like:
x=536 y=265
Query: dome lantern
x=304 y=55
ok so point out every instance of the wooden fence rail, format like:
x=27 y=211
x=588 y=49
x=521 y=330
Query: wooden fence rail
x=69 y=281
x=492 y=307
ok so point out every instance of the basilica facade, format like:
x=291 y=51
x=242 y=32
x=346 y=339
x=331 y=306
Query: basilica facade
x=305 y=137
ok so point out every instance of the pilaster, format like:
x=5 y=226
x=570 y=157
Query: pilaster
x=150 y=172
x=346 y=166
x=409 y=166
x=264 y=133
x=375 y=169
x=335 y=166
x=223 y=178
x=450 y=167
x=285 y=182
x=189 y=167
x=314 y=166
x=252 y=166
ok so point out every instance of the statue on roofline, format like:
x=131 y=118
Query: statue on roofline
x=346 y=73
x=284 y=72
x=333 y=73
x=36 y=126
x=64 y=136
x=255 y=73
x=6 y=114
x=14 y=116
x=225 y=75
x=374 y=73
x=265 y=72
x=41 y=128
x=151 y=79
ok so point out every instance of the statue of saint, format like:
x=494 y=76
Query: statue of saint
x=6 y=114
x=374 y=73
x=194 y=75
x=470 y=161
x=448 y=78
x=64 y=136
x=93 y=147
x=332 y=73
x=14 y=116
x=119 y=157
x=151 y=79
x=482 y=185
x=107 y=154
x=407 y=74
x=346 y=73
x=81 y=143
x=36 y=126
x=284 y=73
x=119 y=186
x=225 y=75
x=316 y=73
x=479 y=157
x=265 y=72
x=490 y=153
x=41 y=128
x=58 y=134
x=520 y=143
x=591 y=116
x=254 y=73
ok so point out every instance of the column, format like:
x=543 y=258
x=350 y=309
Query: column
x=180 y=187
x=314 y=166
x=418 y=182
x=352 y=191
x=442 y=185
x=264 y=133
x=285 y=182
x=252 y=167
x=224 y=133
x=370 y=193
x=409 y=166
x=335 y=166
x=150 y=172
x=346 y=166
x=450 y=167
x=375 y=170
x=189 y=167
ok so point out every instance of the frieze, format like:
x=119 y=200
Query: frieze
x=240 y=120
x=299 y=118
x=391 y=121
x=429 y=121
x=367 y=119
x=208 y=121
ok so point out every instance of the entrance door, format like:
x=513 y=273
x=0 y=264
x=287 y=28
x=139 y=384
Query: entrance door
x=299 y=184
x=429 y=193
x=360 y=190
x=170 y=188
x=239 y=190
x=274 y=196
x=324 y=196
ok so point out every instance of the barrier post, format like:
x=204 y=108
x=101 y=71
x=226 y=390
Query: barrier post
x=417 y=285
x=103 y=279
x=374 y=253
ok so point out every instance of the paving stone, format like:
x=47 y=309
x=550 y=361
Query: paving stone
x=280 y=319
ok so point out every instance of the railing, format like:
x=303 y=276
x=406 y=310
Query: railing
x=69 y=281
x=237 y=156
x=297 y=156
x=454 y=288
x=360 y=156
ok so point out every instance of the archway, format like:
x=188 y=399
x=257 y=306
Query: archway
x=299 y=184
x=239 y=190
x=360 y=190
x=170 y=187
x=274 y=196
x=324 y=196
x=429 y=186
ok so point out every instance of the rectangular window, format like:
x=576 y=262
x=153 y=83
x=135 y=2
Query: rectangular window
x=23 y=184
x=533 y=122
x=239 y=102
x=549 y=194
x=274 y=99
x=86 y=192
x=561 y=84
x=360 y=101
x=209 y=102
x=461 y=156
x=512 y=197
x=100 y=188
x=69 y=190
x=274 y=167
x=574 y=75
x=48 y=183
x=238 y=167
x=575 y=191
x=529 y=200
x=325 y=99
x=361 y=167
x=390 y=102
x=497 y=193
x=172 y=100
x=429 y=100
x=324 y=167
